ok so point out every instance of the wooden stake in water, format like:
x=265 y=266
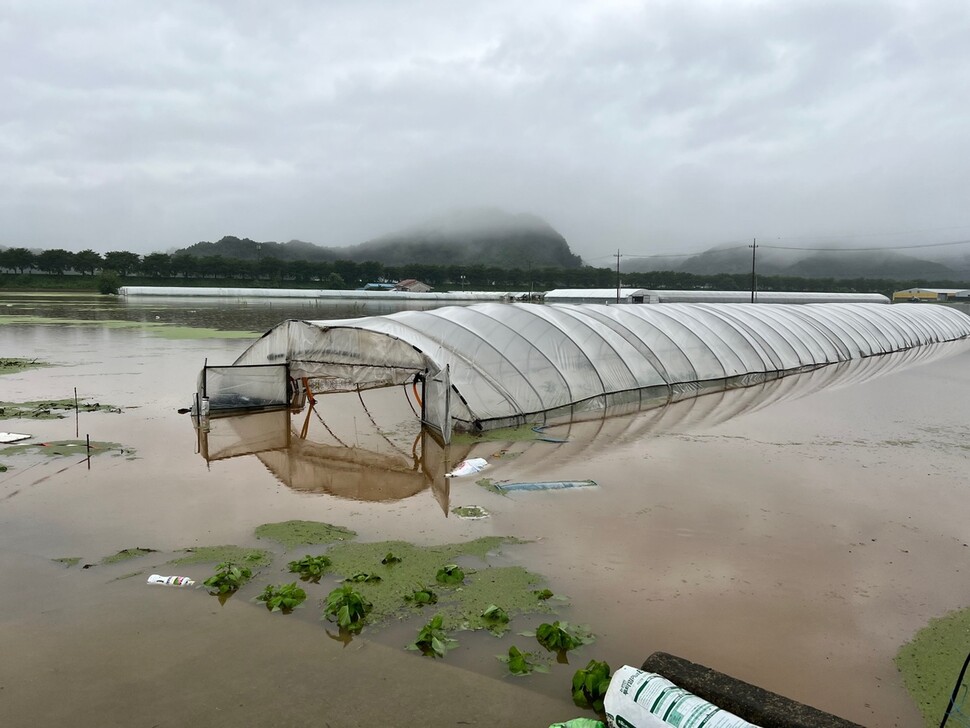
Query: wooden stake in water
x=87 y=439
x=77 y=416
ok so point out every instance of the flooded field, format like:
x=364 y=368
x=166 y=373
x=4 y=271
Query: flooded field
x=793 y=535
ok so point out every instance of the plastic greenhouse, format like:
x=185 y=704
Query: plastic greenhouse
x=494 y=365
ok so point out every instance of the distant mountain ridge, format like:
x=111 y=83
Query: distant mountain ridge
x=487 y=237
x=885 y=264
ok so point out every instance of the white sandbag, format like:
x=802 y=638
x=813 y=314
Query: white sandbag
x=638 y=699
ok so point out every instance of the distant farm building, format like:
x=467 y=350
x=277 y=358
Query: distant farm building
x=412 y=285
x=933 y=294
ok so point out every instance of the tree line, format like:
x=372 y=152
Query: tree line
x=187 y=269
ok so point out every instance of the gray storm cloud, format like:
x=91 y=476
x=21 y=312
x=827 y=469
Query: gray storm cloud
x=652 y=127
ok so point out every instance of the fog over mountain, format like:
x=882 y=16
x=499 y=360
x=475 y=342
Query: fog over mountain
x=475 y=236
x=846 y=263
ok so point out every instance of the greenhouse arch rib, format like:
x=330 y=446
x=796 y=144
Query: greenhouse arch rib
x=517 y=363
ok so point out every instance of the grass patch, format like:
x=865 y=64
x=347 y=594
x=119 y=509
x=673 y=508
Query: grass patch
x=65 y=448
x=304 y=533
x=13 y=365
x=164 y=330
x=126 y=554
x=931 y=662
x=255 y=558
x=50 y=409
x=489 y=485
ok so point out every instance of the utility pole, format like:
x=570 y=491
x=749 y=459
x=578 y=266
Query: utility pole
x=617 y=275
x=754 y=280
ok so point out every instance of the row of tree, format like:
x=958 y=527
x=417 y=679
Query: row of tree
x=334 y=274
x=348 y=274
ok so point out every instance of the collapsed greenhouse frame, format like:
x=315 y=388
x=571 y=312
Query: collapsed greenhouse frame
x=512 y=364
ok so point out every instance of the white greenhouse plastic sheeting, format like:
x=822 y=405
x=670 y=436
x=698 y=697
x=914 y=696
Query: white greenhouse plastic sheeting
x=662 y=296
x=316 y=293
x=517 y=363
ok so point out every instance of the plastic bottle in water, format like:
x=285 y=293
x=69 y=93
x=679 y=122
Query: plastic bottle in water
x=170 y=580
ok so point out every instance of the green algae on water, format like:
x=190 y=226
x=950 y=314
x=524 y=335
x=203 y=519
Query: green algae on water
x=489 y=485
x=64 y=448
x=931 y=662
x=164 y=330
x=304 y=533
x=13 y=365
x=507 y=434
x=50 y=409
x=510 y=587
x=254 y=558
x=126 y=554
x=68 y=561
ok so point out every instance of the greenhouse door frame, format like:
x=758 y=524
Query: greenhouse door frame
x=436 y=404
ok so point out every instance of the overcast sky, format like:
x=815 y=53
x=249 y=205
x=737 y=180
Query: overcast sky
x=652 y=127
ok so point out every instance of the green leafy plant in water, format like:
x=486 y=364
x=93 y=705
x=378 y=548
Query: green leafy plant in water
x=450 y=574
x=432 y=640
x=523 y=663
x=228 y=578
x=284 y=598
x=543 y=594
x=347 y=607
x=562 y=637
x=421 y=597
x=310 y=568
x=391 y=559
x=363 y=577
x=496 y=618
x=590 y=685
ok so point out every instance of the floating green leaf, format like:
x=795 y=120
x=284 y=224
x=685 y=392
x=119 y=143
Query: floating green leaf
x=562 y=637
x=496 y=618
x=432 y=640
x=450 y=574
x=363 y=577
x=228 y=578
x=523 y=663
x=347 y=607
x=421 y=597
x=590 y=685
x=310 y=567
x=284 y=598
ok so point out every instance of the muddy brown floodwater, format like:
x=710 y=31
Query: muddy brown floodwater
x=790 y=537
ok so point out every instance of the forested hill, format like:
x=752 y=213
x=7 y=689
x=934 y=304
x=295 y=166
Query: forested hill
x=477 y=237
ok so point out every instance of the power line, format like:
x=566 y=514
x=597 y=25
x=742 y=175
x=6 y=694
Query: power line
x=876 y=247
x=790 y=247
